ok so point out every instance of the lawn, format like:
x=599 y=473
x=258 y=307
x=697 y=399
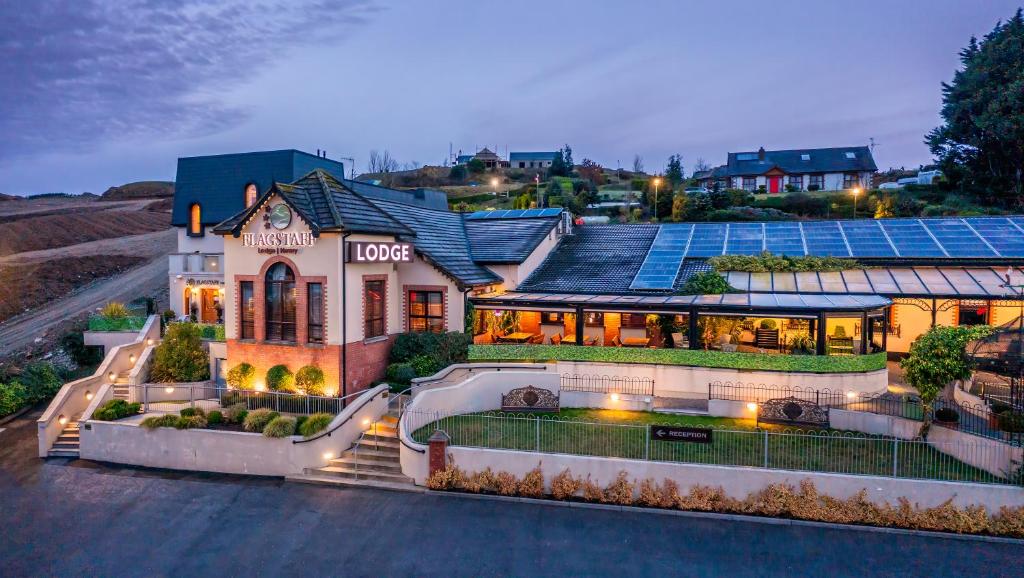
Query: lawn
x=686 y=357
x=735 y=442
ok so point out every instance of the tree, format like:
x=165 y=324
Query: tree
x=567 y=158
x=557 y=168
x=381 y=163
x=554 y=190
x=457 y=173
x=180 y=356
x=980 y=146
x=701 y=165
x=674 y=170
x=638 y=164
x=679 y=207
x=937 y=359
x=476 y=166
x=592 y=172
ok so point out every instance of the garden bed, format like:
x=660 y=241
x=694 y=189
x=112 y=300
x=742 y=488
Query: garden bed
x=681 y=357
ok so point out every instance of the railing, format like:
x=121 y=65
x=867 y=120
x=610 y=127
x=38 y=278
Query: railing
x=607 y=384
x=972 y=418
x=178 y=393
x=788 y=449
x=195 y=263
x=353 y=413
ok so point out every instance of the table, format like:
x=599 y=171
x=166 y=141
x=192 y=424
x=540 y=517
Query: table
x=636 y=342
x=519 y=337
x=571 y=340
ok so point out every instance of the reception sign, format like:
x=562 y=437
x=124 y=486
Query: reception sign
x=365 y=252
x=694 y=435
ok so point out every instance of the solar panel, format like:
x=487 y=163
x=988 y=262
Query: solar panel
x=745 y=239
x=910 y=238
x=866 y=239
x=957 y=238
x=708 y=240
x=553 y=212
x=824 y=239
x=784 y=239
x=660 y=268
x=515 y=213
x=1001 y=234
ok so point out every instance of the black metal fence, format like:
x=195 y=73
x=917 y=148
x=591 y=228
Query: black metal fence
x=607 y=384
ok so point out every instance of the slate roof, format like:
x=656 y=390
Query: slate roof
x=325 y=204
x=827 y=160
x=531 y=156
x=507 y=240
x=217 y=182
x=597 y=259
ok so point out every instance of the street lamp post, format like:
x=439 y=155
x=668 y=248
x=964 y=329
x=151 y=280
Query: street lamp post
x=856 y=191
x=657 y=182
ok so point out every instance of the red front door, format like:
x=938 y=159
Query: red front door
x=773 y=184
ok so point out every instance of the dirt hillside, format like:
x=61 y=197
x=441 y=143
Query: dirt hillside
x=140 y=190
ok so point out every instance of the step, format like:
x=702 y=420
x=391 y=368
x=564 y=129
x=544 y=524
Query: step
x=382 y=429
x=68 y=437
x=383 y=445
x=382 y=455
x=352 y=474
x=66 y=445
x=311 y=477
x=389 y=420
x=385 y=438
x=63 y=453
x=361 y=465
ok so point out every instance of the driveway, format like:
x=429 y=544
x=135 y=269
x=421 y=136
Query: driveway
x=81 y=518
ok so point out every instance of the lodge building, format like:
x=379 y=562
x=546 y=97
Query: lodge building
x=304 y=267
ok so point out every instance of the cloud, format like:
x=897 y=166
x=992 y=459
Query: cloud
x=76 y=74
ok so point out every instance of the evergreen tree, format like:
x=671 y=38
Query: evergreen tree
x=567 y=159
x=557 y=168
x=674 y=170
x=980 y=146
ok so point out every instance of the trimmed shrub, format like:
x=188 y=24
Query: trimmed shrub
x=191 y=422
x=280 y=378
x=166 y=420
x=445 y=348
x=532 y=485
x=215 y=417
x=402 y=373
x=314 y=424
x=506 y=484
x=116 y=409
x=258 y=419
x=620 y=491
x=280 y=427
x=192 y=411
x=446 y=479
x=309 y=379
x=299 y=420
x=242 y=376
x=13 y=396
x=41 y=381
x=425 y=365
x=947 y=415
x=565 y=486
x=236 y=413
x=180 y=357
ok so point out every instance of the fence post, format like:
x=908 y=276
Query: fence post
x=766 y=448
x=647 y=442
x=895 y=457
x=538 y=433
x=145 y=398
x=191 y=396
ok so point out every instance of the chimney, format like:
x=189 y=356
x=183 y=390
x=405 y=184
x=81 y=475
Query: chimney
x=760 y=154
x=318 y=153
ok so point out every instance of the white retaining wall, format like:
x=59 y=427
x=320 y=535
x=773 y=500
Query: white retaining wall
x=225 y=451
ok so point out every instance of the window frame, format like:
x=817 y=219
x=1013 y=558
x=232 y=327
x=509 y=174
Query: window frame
x=816 y=180
x=374 y=326
x=426 y=316
x=195 y=221
x=245 y=194
x=627 y=320
x=749 y=184
x=797 y=181
x=314 y=310
x=286 y=330
x=851 y=180
x=247 y=311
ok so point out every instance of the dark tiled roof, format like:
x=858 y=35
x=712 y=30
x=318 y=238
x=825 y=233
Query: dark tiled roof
x=326 y=205
x=217 y=182
x=440 y=236
x=423 y=197
x=689 y=268
x=829 y=160
x=507 y=240
x=595 y=259
x=531 y=156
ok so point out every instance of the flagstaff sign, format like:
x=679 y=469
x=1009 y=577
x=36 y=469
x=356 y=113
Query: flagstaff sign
x=279 y=242
x=361 y=252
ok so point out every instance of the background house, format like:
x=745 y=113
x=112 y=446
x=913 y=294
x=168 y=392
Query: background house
x=825 y=169
x=531 y=160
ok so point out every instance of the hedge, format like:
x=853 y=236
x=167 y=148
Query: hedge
x=102 y=323
x=687 y=357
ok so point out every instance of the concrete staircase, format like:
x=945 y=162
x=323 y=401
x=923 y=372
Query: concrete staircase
x=66 y=445
x=372 y=461
x=120 y=386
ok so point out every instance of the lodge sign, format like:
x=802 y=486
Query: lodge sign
x=364 y=252
x=694 y=435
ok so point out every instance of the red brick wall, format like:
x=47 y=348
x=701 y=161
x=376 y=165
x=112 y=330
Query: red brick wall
x=367 y=362
x=263 y=356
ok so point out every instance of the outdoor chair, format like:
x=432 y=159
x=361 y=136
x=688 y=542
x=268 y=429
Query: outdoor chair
x=537 y=339
x=616 y=342
x=556 y=339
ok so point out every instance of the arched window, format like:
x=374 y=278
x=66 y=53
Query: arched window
x=251 y=192
x=195 y=221
x=280 y=295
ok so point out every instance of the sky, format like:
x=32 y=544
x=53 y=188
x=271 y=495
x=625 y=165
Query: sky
x=97 y=93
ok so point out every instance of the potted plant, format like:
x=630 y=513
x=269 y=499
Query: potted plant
x=947 y=416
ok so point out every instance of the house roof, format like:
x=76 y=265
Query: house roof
x=507 y=240
x=799 y=161
x=217 y=182
x=485 y=153
x=531 y=156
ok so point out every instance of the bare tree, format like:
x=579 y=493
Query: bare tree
x=638 y=164
x=701 y=165
x=411 y=166
x=381 y=162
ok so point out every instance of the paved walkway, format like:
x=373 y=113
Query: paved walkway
x=76 y=518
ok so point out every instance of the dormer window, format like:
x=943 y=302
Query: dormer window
x=805 y=157
x=851 y=155
x=251 y=192
x=195 y=221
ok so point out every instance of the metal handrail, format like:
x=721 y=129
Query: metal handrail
x=401 y=414
x=335 y=428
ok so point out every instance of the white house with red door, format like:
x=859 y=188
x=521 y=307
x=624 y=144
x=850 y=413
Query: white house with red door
x=827 y=169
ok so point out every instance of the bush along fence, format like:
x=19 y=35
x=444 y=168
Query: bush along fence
x=151 y=395
x=105 y=323
x=989 y=421
x=785 y=449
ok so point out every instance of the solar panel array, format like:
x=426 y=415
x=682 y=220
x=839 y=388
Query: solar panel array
x=972 y=237
x=516 y=213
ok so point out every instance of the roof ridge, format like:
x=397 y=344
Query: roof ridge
x=370 y=202
x=328 y=196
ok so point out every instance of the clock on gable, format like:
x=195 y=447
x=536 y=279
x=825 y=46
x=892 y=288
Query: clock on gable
x=280 y=216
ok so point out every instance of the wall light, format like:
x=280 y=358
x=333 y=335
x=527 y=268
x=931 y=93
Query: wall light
x=112 y=376
x=366 y=421
x=328 y=456
x=169 y=389
x=62 y=420
x=149 y=341
x=88 y=395
x=850 y=395
x=260 y=387
x=615 y=397
x=752 y=406
x=131 y=358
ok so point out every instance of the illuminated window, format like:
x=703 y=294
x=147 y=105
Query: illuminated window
x=315 y=313
x=426 y=311
x=250 y=194
x=373 y=314
x=195 y=222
